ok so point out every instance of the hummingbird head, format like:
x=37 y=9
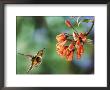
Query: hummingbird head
x=41 y=52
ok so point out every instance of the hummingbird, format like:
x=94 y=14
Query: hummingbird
x=36 y=60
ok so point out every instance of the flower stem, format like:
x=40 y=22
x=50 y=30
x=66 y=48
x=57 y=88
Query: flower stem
x=90 y=29
x=74 y=29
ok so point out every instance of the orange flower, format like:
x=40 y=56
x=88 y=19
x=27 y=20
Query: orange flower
x=80 y=37
x=75 y=41
x=78 y=42
x=62 y=50
x=83 y=37
x=71 y=47
x=79 y=45
x=68 y=23
x=61 y=37
x=80 y=51
x=65 y=49
x=60 y=53
x=69 y=57
x=68 y=51
x=60 y=44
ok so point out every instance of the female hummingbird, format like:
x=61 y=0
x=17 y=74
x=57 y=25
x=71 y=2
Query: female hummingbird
x=35 y=60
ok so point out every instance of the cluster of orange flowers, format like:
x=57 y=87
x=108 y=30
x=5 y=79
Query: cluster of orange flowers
x=76 y=43
x=62 y=49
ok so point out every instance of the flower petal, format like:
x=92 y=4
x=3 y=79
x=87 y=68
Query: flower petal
x=61 y=37
x=70 y=56
x=71 y=47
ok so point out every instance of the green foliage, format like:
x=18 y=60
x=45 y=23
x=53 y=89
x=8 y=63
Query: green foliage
x=87 y=20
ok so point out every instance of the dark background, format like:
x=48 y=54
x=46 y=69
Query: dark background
x=57 y=1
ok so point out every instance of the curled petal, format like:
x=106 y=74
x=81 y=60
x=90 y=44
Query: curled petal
x=63 y=43
x=60 y=53
x=67 y=52
x=81 y=49
x=62 y=50
x=65 y=49
x=70 y=56
x=60 y=44
x=78 y=54
x=75 y=36
x=78 y=42
x=83 y=37
x=71 y=47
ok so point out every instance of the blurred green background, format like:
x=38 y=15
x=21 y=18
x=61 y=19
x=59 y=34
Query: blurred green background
x=34 y=33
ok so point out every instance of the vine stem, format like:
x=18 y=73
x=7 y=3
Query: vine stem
x=90 y=29
x=74 y=29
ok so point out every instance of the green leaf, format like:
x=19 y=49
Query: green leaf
x=87 y=20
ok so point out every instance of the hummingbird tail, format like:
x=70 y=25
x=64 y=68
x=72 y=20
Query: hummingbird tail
x=30 y=68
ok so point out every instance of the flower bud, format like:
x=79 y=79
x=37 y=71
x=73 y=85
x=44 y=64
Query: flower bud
x=68 y=23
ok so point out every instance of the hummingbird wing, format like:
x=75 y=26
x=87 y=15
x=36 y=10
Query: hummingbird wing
x=35 y=62
x=30 y=56
x=30 y=68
